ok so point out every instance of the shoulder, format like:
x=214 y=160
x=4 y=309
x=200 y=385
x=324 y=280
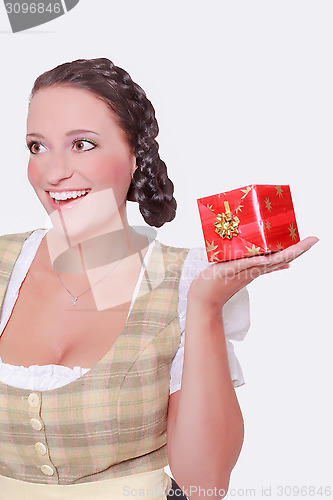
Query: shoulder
x=12 y=243
x=190 y=260
x=14 y=240
x=172 y=250
x=196 y=260
x=18 y=237
x=193 y=256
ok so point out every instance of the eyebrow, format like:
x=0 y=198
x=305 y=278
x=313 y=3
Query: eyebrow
x=71 y=132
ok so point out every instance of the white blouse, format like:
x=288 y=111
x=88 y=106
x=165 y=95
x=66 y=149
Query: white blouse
x=236 y=320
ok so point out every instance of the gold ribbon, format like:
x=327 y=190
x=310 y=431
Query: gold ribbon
x=226 y=224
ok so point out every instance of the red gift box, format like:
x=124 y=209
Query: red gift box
x=251 y=220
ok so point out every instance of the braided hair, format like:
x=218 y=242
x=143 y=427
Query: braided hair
x=150 y=185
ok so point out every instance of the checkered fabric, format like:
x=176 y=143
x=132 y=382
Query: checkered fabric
x=111 y=421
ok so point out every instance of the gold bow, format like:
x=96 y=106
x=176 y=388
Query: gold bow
x=226 y=224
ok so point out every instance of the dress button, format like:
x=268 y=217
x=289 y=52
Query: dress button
x=36 y=424
x=33 y=400
x=40 y=448
x=47 y=470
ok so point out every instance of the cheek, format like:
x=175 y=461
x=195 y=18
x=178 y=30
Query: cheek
x=34 y=174
x=112 y=171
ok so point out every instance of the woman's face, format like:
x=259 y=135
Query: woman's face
x=77 y=145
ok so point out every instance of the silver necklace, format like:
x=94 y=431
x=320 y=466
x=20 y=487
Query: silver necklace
x=76 y=297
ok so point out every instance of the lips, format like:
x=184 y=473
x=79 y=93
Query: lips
x=65 y=204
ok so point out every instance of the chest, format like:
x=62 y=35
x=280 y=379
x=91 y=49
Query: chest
x=45 y=328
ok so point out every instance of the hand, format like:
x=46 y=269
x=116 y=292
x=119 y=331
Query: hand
x=218 y=282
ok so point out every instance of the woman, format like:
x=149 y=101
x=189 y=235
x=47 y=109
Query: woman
x=98 y=304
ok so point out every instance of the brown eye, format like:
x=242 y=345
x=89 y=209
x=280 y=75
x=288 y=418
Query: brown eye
x=79 y=145
x=83 y=145
x=35 y=147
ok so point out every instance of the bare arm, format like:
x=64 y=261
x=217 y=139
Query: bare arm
x=205 y=426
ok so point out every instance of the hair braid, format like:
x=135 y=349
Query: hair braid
x=150 y=186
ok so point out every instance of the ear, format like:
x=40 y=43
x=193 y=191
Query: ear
x=134 y=166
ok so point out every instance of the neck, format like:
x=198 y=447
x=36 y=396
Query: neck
x=78 y=255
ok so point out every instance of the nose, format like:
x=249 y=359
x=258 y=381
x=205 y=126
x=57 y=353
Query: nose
x=58 y=168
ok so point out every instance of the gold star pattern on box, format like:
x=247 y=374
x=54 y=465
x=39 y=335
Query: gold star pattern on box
x=279 y=191
x=264 y=221
x=213 y=257
x=252 y=250
x=246 y=191
x=210 y=247
x=268 y=205
x=292 y=230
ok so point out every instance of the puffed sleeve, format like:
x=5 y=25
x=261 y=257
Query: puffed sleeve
x=236 y=319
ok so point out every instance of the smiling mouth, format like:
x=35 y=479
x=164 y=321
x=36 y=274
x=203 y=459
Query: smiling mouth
x=57 y=201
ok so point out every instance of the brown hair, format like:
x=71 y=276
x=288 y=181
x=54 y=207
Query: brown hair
x=150 y=186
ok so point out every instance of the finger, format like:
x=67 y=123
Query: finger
x=246 y=276
x=265 y=265
x=277 y=268
x=239 y=265
x=291 y=253
x=295 y=251
x=262 y=261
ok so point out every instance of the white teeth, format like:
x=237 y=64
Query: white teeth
x=65 y=195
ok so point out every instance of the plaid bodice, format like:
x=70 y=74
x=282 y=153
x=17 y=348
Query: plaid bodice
x=111 y=421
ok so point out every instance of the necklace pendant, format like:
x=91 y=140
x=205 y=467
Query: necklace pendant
x=74 y=301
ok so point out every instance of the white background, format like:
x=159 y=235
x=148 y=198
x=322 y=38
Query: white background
x=243 y=95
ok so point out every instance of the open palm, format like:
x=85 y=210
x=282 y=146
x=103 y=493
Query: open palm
x=218 y=282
